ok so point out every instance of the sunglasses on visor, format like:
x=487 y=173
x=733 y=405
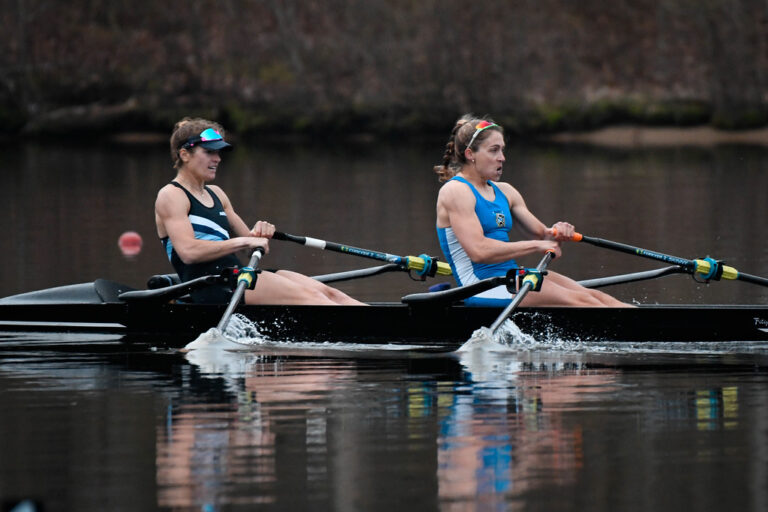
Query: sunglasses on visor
x=208 y=138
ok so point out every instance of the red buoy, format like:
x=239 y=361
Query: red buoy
x=130 y=243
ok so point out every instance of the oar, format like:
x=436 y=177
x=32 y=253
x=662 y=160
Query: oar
x=531 y=281
x=416 y=263
x=454 y=294
x=357 y=274
x=244 y=280
x=707 y=267
x=463 y=292
x=599 y=282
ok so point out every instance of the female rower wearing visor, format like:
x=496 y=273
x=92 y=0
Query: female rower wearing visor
x=201 y=232
x=475 y=214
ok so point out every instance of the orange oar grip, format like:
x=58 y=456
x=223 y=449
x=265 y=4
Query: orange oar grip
x=575 y=238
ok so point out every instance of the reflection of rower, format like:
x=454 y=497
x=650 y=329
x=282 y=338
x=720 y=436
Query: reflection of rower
x=714 y=406
x=523 y=400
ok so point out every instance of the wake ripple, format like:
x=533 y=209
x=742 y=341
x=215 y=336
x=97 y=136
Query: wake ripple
x=242 y=335
x=510 y=338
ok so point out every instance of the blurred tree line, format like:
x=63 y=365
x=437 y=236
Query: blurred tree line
x=380 y=66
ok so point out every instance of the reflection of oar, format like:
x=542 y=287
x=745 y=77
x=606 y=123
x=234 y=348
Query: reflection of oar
x=531 y=281
x=245 y=279
x=707 y=267
x=418 y=263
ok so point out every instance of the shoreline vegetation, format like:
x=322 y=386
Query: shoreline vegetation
x=127 y=124
x=675 y=125
x=386 y=69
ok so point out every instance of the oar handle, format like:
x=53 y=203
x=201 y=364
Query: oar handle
x=256 y=256
x=575 y=238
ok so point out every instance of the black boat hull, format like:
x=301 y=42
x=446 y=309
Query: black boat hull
x=398 y=323
x=108 y=307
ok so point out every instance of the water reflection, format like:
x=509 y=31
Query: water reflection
x=289 y=437
x=510 y=435
x=487 y=428
x=717 y=408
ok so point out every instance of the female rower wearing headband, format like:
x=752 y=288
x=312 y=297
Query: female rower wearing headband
x=475 y=213
x=202 y=233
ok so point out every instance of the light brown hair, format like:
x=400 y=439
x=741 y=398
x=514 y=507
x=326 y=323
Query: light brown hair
x=462 y=132
x=186 y=128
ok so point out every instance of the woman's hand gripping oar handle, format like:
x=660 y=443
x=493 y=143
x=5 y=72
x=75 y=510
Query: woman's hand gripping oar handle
x=531 y=281
x=246 y=278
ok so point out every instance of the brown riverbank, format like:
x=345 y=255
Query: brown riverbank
x=385 y=68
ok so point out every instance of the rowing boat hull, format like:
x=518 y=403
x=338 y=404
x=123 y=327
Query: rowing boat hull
x=444 y=326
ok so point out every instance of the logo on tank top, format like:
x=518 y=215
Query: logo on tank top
x=501 y=220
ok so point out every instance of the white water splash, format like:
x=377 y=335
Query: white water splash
x=230 y=352
x=242 y=329
x=217 y=352
x=240 y=334
x=495 y=361
x=510 y=338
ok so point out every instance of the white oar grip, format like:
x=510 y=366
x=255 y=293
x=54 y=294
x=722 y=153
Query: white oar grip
x=314 y=242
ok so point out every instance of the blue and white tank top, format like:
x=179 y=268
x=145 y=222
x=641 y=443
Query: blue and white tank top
x=496 y=219
x=209 y=223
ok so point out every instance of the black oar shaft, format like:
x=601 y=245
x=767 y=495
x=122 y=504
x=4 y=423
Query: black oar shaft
x=407 y=262
x=528 y=285
x=706 y=266
x=629 y=249
x=333 y=246
x=454 y=294
x=599 y=282
x=242 y=284
x=752 y=279
x=356 y=274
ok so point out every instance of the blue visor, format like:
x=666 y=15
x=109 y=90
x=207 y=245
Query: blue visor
x=208 y=138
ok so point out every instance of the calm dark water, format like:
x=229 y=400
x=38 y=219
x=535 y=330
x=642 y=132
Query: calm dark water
x=118 y=428
x=100 y=423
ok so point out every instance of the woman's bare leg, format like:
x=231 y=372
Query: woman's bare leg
x=286 y=287
x=559 y=290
